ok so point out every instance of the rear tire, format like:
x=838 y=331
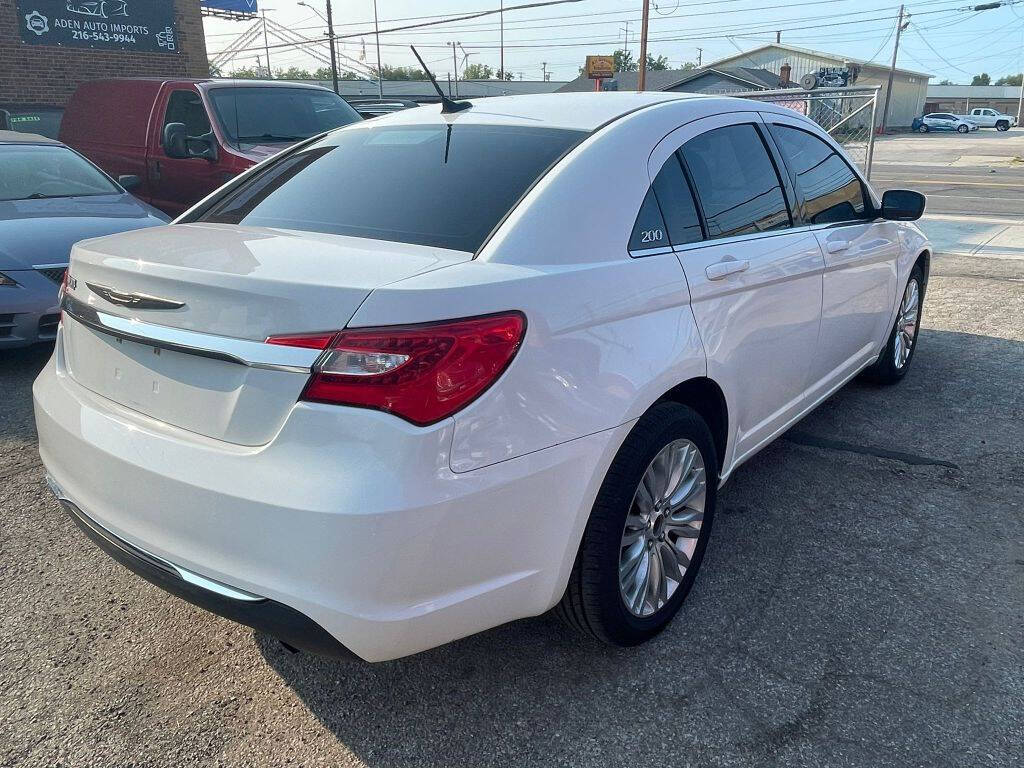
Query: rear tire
x=894 y=361
x=667 y=444
x=962 y=129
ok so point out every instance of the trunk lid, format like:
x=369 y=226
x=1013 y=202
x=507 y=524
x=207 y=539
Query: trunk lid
x=203 y=366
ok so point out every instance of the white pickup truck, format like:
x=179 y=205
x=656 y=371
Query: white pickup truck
x=984 y=117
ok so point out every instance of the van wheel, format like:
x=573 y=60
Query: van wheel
x=962 y=129
x=894 y=360
x=648 y=530
x=1002 y=125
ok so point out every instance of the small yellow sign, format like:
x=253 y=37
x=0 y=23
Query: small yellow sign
x=600 y=67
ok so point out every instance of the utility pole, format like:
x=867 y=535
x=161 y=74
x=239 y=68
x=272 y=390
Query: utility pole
x=892 y=72
x=625 y=38
x=700 y=56
x=455 y=67
x=266 y=45
x=641 y=72
x=380 y=72
x=330 y=36
x=1020 y=101
x=778 y=36
x=501 y=44
x=544 y=71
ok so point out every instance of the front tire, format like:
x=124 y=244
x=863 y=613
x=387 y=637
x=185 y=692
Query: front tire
x=962 y=129
x=1002 y=125
x=894 y=361
x=923 y=129
x=648 y=530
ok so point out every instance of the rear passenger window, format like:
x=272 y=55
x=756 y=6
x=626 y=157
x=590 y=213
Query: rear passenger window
x=831 y=190
x=677 y=204
x=736 y=182
x=649 y=230
x=668 y=215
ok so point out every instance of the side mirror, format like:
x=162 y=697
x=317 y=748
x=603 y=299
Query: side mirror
x=204 y=146
x=129 y=182
x=902 y=205
x=175 y=140
x=5 y=120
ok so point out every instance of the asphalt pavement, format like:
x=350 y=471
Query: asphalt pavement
x=861 y=603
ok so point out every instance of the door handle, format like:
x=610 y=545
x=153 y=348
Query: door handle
x=836 y=246
x=725 y=268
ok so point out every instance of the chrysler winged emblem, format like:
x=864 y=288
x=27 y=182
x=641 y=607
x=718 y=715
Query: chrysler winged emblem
x=134 y=300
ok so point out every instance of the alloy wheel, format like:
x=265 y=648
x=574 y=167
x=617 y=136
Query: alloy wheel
x=662 y=528
x=906 y=324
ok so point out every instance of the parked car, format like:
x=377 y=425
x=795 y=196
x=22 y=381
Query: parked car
x=185 y=138
x=942 y=121
x=985 y=117
x=374 y=417
x=369 y=108
x=50 y=198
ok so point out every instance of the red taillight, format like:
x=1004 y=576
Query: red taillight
x=422 y=373
x=306 y=340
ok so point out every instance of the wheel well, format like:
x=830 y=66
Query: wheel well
x=925 y=260
x=706 y=398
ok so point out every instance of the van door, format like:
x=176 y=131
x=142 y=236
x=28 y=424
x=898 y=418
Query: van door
x=177 y=183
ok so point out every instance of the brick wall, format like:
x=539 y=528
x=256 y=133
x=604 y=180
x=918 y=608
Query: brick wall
x=48 y=75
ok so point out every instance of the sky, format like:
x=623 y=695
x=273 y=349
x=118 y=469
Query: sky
x=943 y=38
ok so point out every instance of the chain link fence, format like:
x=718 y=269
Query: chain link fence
x=848 y=114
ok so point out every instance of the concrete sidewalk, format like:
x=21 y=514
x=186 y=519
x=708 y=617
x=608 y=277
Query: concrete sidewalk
x=987 y=237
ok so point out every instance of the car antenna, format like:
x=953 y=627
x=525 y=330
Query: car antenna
x=447 y=105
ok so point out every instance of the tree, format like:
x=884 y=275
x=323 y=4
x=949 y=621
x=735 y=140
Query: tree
x=504 y=75
x=624 y=61
x=389 y=72
x=946 y=82
x=982 y=79
x=656 y=64
x=249 y=73
x=477 y=72
x=1010 y=79
x=295 y=73
x=215 y=71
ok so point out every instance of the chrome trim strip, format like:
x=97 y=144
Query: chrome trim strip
x=130 y=549
x=50 y=266
x=253 y=354
x=656 y=251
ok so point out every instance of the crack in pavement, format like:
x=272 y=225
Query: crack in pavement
x=815 y=441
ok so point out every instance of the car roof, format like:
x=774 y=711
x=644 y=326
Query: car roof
x=17 y=137
x=575 y=111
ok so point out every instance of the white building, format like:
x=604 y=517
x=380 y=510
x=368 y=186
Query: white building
x=909 y=88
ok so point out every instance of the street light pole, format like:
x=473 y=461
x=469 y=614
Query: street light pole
x=641 y=72
x=380 y=73
x=501 y=44
x=329 y=19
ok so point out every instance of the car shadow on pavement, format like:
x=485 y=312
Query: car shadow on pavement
x=829 y=623
x=18 y=369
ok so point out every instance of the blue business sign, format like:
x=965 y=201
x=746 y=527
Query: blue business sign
x=235 y=6
x=126 y=25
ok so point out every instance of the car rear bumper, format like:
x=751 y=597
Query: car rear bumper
x=350 y=518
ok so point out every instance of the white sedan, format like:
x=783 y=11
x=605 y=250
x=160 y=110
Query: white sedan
x=943 y=121
x=432 y=373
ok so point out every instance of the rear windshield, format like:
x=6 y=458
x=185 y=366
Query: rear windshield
x=437 y=185
x=263 y=115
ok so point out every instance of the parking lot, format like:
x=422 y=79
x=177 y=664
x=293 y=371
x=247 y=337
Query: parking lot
x=860 y=603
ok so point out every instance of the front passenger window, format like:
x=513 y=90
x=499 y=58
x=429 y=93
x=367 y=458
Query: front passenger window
x=832 y=192
x=187 y=107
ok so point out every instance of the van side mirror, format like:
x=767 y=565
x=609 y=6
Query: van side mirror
x=178 y=144
x=129 y=181
x=902 y=205
x=175 y=140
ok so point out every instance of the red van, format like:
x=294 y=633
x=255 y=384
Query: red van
x=182 y=139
